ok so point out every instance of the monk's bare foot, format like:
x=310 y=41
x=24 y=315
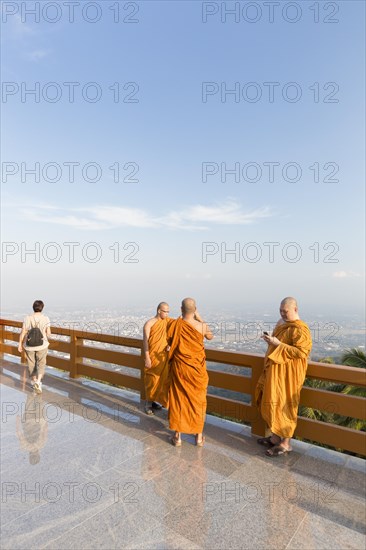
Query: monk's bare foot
x=275 y=439
x=200 y=440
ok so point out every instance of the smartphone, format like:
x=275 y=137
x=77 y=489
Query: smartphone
x=266 y=333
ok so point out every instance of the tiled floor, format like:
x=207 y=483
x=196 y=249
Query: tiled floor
x=83 y=467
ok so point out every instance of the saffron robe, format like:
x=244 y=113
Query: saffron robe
x=278 y=389
x=189 y=378
x=157 y=376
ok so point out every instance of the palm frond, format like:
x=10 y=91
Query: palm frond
x=354 y=357
x=354 y=390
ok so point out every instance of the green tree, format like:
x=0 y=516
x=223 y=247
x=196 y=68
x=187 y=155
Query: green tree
x=316 y=414
x=328 y=360
x=354 y=357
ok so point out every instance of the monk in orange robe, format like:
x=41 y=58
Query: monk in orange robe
x=189 y=379
x=278 y=388
x=155 y=348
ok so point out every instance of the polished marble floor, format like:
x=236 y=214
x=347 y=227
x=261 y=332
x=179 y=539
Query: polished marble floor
x=83 y=467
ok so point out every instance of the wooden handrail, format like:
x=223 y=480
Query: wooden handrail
x=81 y=353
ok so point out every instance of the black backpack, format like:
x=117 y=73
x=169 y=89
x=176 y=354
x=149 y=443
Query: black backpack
x=34 y=337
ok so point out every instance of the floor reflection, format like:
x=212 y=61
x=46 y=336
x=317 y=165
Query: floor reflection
x=32 y=427
x=86 y=437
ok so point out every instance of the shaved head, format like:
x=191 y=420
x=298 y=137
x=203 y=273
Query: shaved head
x=188 y=305
x=162 y=311
x=288 y=309
x=289 y=301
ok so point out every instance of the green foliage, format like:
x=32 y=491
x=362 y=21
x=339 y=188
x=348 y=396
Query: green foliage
x=315 y=414
x=354 y=357
x=328 y=360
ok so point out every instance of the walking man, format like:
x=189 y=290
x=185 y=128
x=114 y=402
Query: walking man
x=34 y=340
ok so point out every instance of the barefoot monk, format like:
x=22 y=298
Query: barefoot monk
x=189 y=379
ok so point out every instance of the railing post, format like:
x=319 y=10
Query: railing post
x=2 y=330
x=74 y=341
x=23 y=357
x=259 y=427
x=142 y=376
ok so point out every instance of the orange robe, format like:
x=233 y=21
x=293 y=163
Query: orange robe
x=189 y=378
x=157 y=376
x=278 y=389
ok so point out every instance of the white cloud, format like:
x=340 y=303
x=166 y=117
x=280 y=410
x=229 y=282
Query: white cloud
x=115 y=216
x=204 y=276
x=193 y=218
x=63 y=219
x=199 y=216
x=14 y=24
x=36 y=55
x=345 y=274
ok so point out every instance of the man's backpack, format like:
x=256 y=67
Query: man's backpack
x=34 y=337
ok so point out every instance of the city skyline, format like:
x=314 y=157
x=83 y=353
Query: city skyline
x=239 y=332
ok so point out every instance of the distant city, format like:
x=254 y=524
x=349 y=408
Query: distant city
x=233 y=331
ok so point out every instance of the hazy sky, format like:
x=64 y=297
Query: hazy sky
x=163 y=135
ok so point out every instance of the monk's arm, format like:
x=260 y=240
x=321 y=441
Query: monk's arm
x=198 y=317
x=272 y=339
x=207 y=332
x=205 y=328
x=299 y=348
x=146 y=334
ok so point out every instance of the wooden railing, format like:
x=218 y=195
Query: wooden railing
x=76 y=350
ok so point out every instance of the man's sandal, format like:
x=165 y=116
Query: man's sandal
x=266 y=441
x=149 y=411
x=175 y=441
x=201 y=442
x=277 y=450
